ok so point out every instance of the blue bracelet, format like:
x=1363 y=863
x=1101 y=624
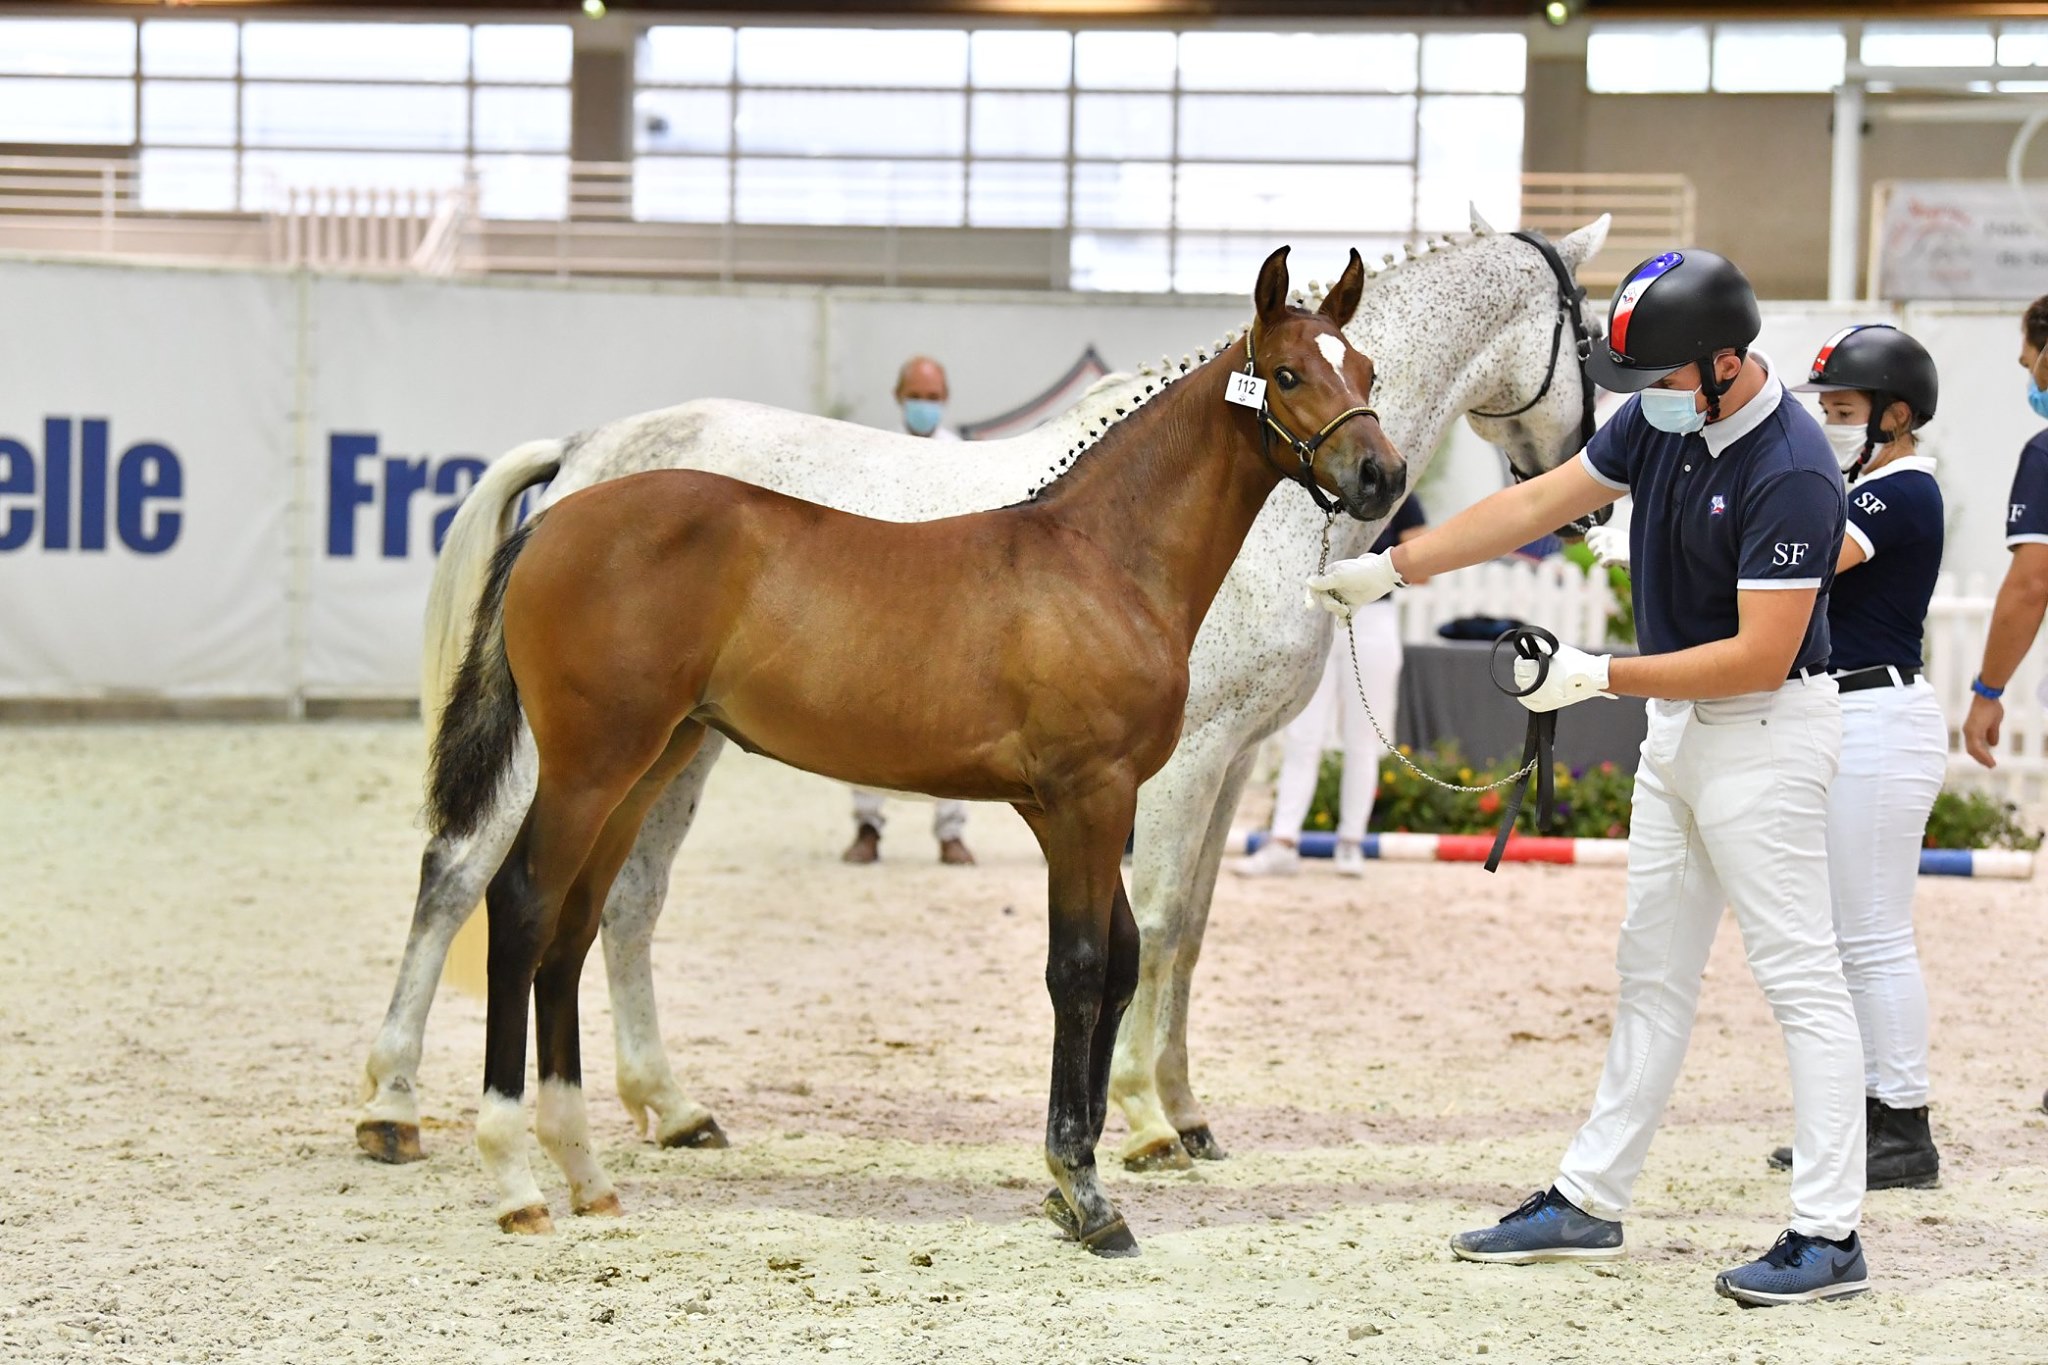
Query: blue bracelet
x=1986 y=690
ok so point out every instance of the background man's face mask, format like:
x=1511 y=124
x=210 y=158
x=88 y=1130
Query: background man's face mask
x=921 y=415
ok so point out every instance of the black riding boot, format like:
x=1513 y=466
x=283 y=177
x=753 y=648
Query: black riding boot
x=1780 y=1158
x=1901 y=1154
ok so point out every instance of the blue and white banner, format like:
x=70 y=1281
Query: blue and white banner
x=146 y=478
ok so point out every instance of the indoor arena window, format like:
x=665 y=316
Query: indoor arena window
x=1153 y=150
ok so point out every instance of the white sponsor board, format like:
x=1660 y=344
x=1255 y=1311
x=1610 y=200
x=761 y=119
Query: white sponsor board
x=417 y=384
x=145 y=482
x=1962 y=239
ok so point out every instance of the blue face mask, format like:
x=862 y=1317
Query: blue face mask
x=921 y=415
x=2037 y=398
x=1672 y=410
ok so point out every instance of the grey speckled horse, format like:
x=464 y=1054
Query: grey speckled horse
x=1458 y=328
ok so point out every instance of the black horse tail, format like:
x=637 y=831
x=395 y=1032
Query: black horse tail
x=480 y=726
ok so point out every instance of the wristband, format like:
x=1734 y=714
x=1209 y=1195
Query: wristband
x=1986 y=690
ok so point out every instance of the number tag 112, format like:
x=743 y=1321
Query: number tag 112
x=1245 y=390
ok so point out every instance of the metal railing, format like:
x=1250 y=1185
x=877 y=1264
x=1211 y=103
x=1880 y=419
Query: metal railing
x=1651 y=213
x=355 y=228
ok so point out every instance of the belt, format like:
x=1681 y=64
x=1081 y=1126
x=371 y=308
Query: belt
x=1884 y=675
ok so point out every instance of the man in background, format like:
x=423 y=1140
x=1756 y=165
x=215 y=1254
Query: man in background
x=921 y=394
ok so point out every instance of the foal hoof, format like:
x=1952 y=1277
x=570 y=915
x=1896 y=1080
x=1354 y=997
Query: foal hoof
x=1061 y=1213
x=1165 y=1154
x=705 y=1133
x=531 y=1221
x=1111 y=1239
x=394 y=1144
x=604 y=1206
x=1201 y=1144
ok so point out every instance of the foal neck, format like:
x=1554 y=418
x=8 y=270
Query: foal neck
x=1170 y=492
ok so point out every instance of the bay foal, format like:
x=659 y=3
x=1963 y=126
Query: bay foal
x=1036 y=655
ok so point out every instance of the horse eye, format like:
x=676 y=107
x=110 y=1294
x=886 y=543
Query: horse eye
x=1286 y=377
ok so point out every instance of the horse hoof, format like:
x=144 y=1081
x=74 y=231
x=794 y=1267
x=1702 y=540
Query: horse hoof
x=531 y=1221
x=394 y=1144
x=1061 y=1213
x=1201 y=1144
x=1111 y=1239
x=1166 y=1154
x=604 y=1206
x=705 y=1133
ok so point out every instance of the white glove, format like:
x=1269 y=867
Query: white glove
x=1609 y=545
x=1574 y=676
x=1353 y=583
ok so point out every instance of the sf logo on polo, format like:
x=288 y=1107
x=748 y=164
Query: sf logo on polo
x=2017 y=509
x=1789 y=552
x=1870 y=502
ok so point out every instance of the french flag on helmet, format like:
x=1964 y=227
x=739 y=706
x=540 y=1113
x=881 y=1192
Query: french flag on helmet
x=1827 y=348
x=1631 y=294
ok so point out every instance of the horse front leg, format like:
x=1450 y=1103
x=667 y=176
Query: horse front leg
x=647 y=1085
x=1175 y=1091
x=1088 y=972
x=1175 y=809
x=453 y=875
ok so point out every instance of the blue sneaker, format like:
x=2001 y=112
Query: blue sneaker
x=1548 y=1227
x=1798 y=1269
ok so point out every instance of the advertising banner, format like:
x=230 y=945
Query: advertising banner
x=416 y=385
x=1962 y=239
x=145 y=482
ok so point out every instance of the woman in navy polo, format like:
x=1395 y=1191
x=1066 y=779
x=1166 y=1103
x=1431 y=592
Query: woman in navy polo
x=1737 y=525
x=1877 y=388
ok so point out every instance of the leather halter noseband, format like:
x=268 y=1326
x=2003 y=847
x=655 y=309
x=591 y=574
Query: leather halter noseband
x=1304 y=449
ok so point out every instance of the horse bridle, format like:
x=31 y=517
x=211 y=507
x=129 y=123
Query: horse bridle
x=1304 y=450
x=1571 y=307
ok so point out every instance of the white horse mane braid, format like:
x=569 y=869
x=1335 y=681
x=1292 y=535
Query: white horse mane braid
x=1166 y=376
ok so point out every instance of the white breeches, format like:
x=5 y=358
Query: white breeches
x=1336 y=703
x=1731 y=809
x=1894 y=755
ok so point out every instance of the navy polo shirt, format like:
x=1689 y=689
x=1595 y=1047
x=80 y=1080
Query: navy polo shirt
x=1407 y=517
x=1877 y=610
x=1752 y=502
x=2026 y=514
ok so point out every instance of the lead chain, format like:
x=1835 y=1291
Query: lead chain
x=1357 y=680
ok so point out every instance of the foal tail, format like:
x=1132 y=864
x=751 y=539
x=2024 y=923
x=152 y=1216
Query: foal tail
x=480 y=727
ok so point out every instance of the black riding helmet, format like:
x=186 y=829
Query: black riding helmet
x=1670 y=311
x=1880 y=360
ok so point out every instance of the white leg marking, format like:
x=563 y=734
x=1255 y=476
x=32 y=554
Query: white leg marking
x=563 y=1127
x=501 y=1142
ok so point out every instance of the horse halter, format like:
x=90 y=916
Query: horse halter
x=1571 y=307
x=1304 y=450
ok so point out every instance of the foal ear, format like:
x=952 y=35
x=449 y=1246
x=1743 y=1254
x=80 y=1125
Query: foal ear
x=1345 y=293
x=1270 y=296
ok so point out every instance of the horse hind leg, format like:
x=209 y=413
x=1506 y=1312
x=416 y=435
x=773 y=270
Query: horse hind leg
x=1174 y=810
x=647 y=1084
x=563 y=1124
x=452 y=878
x=1175 y=1089
x=520 y=927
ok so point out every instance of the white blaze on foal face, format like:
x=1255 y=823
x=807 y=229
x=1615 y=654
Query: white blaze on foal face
x=1333 y=349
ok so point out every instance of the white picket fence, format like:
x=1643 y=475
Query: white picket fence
x=1574 y=605
x=1553 y=593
